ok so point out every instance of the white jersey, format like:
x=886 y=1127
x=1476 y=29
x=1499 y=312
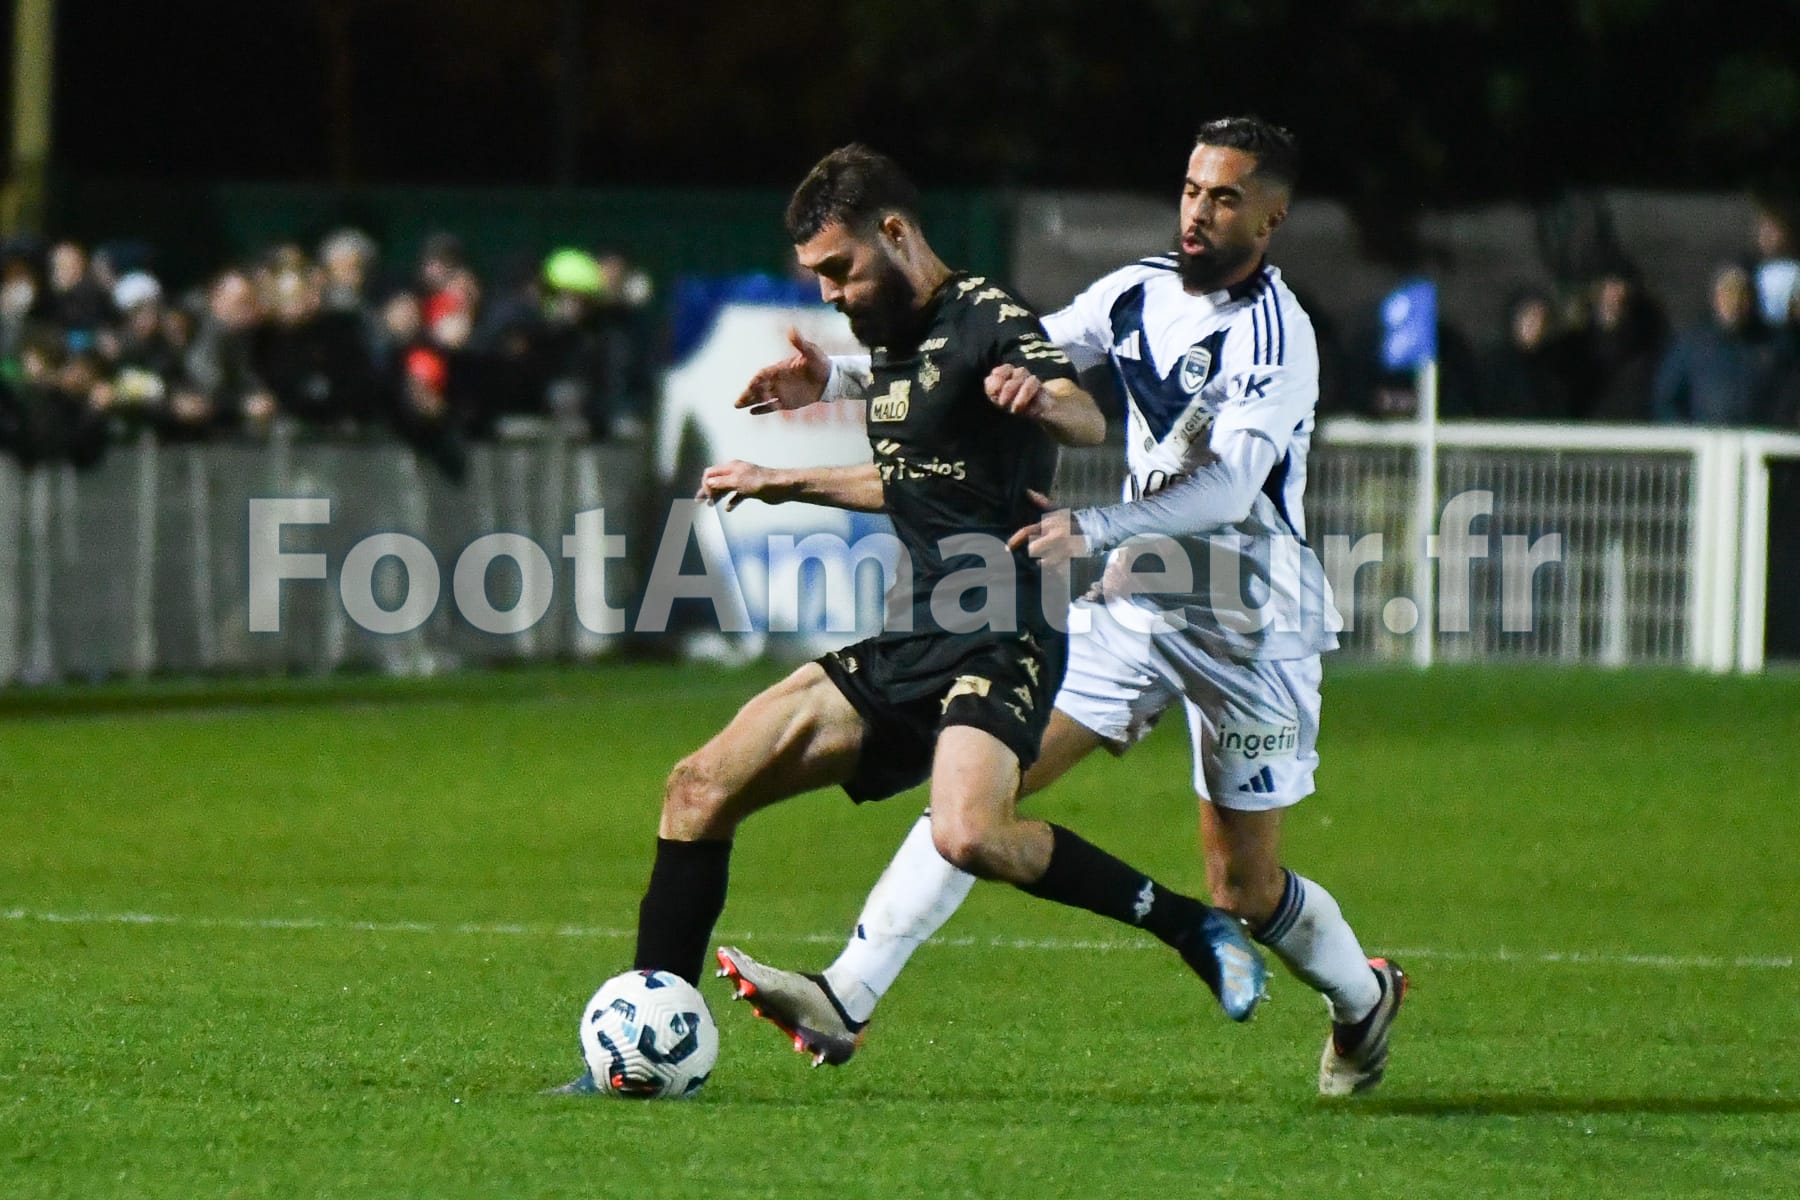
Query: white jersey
x=1200 y=373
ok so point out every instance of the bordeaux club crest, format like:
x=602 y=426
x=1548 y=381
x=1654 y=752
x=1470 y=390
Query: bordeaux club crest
x=1194 y=366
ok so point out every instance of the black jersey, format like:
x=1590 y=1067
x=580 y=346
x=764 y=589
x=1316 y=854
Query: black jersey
x=952 y=463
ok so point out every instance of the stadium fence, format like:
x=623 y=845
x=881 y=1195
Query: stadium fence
x=1663 y=541
x=140 y=564
x=1662 y=552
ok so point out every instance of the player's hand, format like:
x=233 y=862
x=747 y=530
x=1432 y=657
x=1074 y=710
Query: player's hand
x=1016 y=390
x=732 y=483
x=1053 y=539
x=794 y=382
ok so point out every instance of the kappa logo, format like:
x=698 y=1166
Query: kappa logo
x=930 y=344
x=895 y=405
x=1024 y=695
x=1249 y=385
x=1194 y=366
x=929 y=375
x=1010 y=310
x=1146 y=900
x=1033 y=348
x=970 y=284
x=967 y=685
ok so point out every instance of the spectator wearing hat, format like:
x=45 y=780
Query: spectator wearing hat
x=140 y=355
x=574 y=353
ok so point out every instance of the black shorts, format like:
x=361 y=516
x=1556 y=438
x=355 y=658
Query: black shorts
x=908 y=687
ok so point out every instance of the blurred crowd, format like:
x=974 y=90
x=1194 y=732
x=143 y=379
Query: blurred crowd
x=1604 y=348
x=95 y=351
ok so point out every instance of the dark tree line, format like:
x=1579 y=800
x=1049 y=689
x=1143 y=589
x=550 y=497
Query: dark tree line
x=1401 y=102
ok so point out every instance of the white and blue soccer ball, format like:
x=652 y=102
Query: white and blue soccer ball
x=647 y=1035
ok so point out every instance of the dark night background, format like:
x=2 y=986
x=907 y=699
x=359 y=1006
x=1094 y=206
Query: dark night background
x=1404 y=102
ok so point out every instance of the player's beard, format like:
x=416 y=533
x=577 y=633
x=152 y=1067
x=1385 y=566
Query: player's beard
x=891 y=315
x=1208 y=272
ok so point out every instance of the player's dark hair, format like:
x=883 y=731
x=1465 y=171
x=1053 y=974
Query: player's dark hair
x=853 y=185
x=1275 y=149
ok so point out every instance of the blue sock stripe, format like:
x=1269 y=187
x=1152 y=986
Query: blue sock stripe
x=1293 y=900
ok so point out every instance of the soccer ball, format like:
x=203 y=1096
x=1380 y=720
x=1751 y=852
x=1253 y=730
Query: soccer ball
x=646 y=1035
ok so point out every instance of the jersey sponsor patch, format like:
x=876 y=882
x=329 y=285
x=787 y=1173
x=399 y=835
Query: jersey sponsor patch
x=895 y=404
x=1251 y=741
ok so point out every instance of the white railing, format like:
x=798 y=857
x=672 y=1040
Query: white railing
x=1653 y=542
x=1680 y=544
x=139 y=564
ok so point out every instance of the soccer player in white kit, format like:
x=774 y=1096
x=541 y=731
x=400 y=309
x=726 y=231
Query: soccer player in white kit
x=1218 y=367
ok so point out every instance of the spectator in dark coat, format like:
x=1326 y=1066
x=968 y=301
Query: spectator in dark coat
x=20 y=287
x=142 y=357
x=1720 y=371
x=51 y=412
x=1624 y=343
x=314 y=360
x=1531 y=375
x=74 y=302
x=220 y=387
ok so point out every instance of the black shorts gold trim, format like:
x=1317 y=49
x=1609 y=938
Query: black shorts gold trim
x=906 y=688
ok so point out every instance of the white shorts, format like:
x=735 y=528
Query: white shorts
x=1254 y=725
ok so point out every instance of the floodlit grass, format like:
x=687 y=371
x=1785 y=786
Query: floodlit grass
x=331 y=940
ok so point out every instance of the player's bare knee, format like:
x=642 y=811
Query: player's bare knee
x=964 y=845
x=693 y=801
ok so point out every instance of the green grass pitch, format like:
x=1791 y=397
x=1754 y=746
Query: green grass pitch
x=331 y=939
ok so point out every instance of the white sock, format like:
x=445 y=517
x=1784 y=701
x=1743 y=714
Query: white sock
x=910 y=902
x=1308 y=933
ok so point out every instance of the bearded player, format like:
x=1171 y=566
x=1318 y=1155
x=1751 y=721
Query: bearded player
x=1218 y=366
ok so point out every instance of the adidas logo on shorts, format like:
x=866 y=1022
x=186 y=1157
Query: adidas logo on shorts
x=1261 y=783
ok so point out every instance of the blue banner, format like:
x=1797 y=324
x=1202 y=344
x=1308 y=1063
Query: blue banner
x=1409 y=325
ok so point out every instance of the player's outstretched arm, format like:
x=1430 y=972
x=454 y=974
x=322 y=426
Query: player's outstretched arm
x=795 y=382
x=1059 y=405
x=1211 y=498
x=731 y=483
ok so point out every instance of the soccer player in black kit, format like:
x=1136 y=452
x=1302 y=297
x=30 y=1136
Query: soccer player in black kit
x=968 y=401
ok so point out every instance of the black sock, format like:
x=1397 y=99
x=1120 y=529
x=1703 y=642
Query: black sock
x=681 y=905
x=1082 y=875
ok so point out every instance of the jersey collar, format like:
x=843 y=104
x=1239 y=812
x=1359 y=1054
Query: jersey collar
x=1244 y=288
